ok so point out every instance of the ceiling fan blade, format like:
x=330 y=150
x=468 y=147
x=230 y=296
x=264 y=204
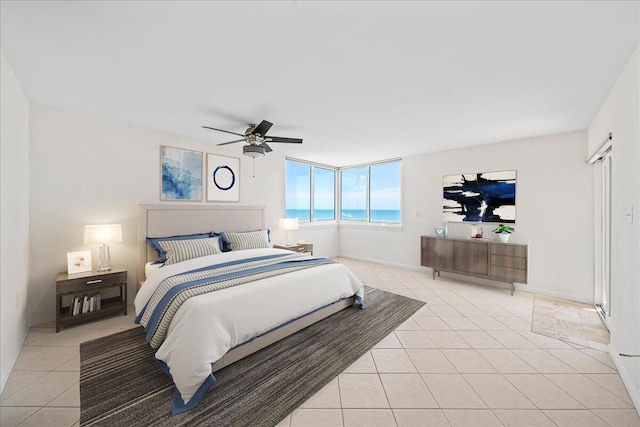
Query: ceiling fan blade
x=231 y=142
x=220 y=130
x=266 y=147
x=282 y=139
x=262 y=128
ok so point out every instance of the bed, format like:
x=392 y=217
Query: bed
x=262 y=295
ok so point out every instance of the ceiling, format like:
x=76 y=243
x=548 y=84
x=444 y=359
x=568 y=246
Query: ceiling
x=359 y=81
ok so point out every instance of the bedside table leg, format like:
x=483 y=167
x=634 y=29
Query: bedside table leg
x=58 y=308
x=123 y=296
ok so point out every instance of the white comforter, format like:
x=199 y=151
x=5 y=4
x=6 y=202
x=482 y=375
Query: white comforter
x=207 y=326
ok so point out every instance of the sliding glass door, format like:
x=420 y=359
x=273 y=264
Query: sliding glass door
x=603 y=281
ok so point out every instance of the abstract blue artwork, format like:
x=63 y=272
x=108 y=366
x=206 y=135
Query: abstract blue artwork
x=480 y=197
x=181 y=174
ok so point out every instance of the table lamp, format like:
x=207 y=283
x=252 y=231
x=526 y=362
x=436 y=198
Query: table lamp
x=288 y=224
x=101 y=235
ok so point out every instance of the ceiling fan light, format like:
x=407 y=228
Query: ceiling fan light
x=253 y=151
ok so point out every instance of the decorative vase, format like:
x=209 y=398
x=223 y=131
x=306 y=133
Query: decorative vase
x=504 y=237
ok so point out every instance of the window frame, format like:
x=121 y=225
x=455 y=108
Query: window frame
x=366 y=190
x=312 y=166
x=368 y=222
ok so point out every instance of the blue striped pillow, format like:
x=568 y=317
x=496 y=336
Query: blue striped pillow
x=247 y=239
x=154 y=242
x=182 y=250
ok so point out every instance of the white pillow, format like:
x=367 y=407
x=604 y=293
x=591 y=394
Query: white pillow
x=182 y=250
x=247 y=240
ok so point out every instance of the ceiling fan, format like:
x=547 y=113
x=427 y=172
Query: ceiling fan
x=256 y=139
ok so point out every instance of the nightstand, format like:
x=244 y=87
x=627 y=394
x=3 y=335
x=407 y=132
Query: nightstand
x=306 y=247
x=91 y=283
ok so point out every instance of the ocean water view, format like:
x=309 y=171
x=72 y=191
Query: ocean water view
x=377 y=215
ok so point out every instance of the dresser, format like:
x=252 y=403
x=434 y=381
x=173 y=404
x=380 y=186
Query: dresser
x=482 y=258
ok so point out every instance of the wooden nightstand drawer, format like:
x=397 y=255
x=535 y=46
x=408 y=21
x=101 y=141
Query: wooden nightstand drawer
x=93 y=282
x=306 y=247
x=303 y=248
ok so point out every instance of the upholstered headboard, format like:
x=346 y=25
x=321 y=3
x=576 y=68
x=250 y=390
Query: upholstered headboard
x=173 y=220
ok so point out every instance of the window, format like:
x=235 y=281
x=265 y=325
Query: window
x=324 y=194
x=310 y=192
x=354 y=194
x=298 y=204
x=368 y=193
x=372 y=193
x=384 y=192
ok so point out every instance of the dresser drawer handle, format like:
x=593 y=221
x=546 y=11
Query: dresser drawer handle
x=93 y=282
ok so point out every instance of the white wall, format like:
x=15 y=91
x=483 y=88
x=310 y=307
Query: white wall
x=85 y=170
x=620 y=114
x=14 y=217
x=554 y=197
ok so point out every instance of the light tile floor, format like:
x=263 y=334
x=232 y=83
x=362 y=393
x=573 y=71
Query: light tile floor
x=43 y=388
x=468 y=358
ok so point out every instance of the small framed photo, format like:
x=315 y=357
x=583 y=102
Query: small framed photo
x=223 y=178
x=78 y=262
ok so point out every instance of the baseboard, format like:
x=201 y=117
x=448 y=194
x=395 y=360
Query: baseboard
x=626 y=378
x=550 y=293
x=390 y=264
x=468 y=279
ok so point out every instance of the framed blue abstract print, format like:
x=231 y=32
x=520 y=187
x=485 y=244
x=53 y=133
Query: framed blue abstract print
x=223 y=178
x=180 y=174
x=480 y=197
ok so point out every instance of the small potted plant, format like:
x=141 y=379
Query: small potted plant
x=503 y=232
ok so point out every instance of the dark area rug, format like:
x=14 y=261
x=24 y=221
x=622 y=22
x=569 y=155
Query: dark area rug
x=121 y=384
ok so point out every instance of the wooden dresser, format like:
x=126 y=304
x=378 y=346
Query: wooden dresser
x=482 y=258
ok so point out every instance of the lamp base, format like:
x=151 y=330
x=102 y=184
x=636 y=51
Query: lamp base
x=104 y=260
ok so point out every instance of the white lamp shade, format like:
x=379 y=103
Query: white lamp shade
x=101 y=234
x=288 y=224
